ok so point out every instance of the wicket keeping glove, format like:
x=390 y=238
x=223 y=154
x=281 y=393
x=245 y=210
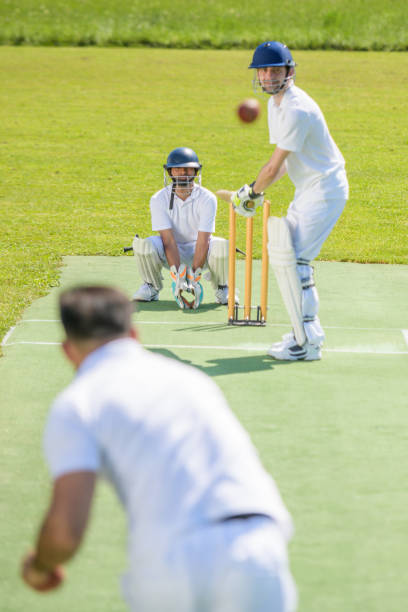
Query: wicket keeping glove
x=179 y=283
x=245 y=201
x=195 y=287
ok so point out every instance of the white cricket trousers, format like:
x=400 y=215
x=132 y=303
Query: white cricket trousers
x=186 y=250
x=239 y=565
x=311 y=220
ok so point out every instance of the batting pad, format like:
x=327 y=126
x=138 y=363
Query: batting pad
x=218 y=262
x=283 y=261
x=148 y=262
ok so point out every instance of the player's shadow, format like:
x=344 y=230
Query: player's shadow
x=229 y=365
x=211 y=327
x=166 y=305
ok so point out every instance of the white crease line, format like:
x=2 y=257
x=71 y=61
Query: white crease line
x=246 y=347
x=238 y=347
x=363 y=328
x=267 y=325
x=194 y=323
x=363 y=351
x=7 y=336
x=29 y=342
x=263 y=348
x=41 y=321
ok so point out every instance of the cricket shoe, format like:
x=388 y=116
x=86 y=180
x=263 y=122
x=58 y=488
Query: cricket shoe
x=294 y=352
x=221 y=295
x=146 y=293
x=287 y=340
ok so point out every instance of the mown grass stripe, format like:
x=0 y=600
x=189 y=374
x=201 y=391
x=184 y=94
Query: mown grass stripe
x=301 y=24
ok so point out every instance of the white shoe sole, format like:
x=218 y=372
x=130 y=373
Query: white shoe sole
x=153 y=299
x=283 y=354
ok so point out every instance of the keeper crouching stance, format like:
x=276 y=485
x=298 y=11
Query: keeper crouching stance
x=183 y=213
x=308 y=153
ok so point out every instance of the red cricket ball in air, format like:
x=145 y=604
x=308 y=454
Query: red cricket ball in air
x=249 y=110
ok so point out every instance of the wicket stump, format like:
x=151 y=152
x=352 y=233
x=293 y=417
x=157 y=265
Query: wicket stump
x=233 y=309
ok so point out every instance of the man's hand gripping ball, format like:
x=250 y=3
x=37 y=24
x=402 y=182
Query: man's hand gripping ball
x=39 y=579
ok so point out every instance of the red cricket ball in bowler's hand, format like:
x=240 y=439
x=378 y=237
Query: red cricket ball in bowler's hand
x=249 y=110
x=55 y=579
x=38 y=579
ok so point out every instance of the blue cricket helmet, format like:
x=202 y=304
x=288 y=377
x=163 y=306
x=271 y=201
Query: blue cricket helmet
x=272 y=53
x=182 y=157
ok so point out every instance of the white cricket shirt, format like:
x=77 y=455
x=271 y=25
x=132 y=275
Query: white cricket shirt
x=315 y=163
x=164 y=436
x=188 y=217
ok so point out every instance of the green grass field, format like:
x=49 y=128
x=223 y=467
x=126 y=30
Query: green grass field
x=338 y=24
x=85 y=133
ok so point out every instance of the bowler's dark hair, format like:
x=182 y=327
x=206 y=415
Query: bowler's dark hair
x=95 y=312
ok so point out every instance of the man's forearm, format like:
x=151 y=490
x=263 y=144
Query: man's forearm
x=53 y=546
x=42 y=568
x=172 y=254
x=267 y=176
x=201 y=252
x=272 y=171
x=62 y=530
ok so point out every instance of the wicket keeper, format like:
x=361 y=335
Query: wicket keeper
x=306 y=151
x=183 y=213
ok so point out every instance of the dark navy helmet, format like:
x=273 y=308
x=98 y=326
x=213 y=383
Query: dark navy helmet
x=182 y=157
x=272 y=53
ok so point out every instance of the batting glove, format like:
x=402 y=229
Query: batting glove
x=245 y=201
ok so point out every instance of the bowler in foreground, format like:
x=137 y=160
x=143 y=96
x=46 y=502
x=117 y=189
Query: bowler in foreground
x=207 y=528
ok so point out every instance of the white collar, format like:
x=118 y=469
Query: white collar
x=114 y=347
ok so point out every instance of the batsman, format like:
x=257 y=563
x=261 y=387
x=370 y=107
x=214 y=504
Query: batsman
x=306 y=151
x=183 y=213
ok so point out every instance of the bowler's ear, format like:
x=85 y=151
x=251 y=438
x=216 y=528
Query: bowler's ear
x=70 y=352
x=133 y=333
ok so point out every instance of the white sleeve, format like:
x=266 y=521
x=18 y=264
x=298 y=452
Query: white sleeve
x=161 y=219
x=208 y=211
x=68 y=443
x=293 y=131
